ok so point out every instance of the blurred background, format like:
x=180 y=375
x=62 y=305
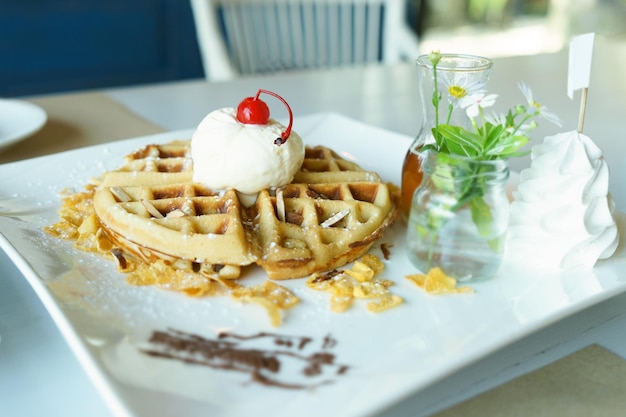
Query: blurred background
x=49 y=46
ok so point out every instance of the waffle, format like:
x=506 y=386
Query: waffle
x=329 y=215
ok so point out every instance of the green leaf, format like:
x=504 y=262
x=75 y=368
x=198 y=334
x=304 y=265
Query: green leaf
x=429 y=147
x=470 y=190
x=439 y=146
x=481 y=215
x=494 y=134
x=460 y=141
x=497 y=244
x=515 y=154
x=507 y=145
x=443 y=177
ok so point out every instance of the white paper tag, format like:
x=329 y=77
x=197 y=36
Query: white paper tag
x=579 y=71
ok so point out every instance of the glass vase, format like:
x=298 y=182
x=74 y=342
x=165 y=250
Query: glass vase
x=459 y=216
x=457 y=75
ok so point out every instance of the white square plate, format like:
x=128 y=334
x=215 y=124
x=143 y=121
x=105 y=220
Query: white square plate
x=388 y=356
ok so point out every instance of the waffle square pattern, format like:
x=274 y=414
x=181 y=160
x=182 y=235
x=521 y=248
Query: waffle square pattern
x=331 y=213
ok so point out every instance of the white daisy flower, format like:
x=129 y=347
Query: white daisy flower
x=475 y=102
x=457 y=86
x=534 y=107
x=496 y=118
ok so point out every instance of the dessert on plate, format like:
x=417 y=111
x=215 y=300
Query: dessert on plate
x=245 y=190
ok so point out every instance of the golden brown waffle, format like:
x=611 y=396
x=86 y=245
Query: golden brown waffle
x=328 y=216
x=333 y=212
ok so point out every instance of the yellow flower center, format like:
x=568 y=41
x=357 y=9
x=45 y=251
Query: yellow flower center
x=536 y=105
x=456 y=91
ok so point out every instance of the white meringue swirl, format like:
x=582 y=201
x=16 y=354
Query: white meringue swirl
x=562 y=213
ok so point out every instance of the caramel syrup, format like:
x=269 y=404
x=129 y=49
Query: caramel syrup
x=411 y=178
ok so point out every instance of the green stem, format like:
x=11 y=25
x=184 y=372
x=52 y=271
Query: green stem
x=436 y=104
x=518 y=125
x=483 y=131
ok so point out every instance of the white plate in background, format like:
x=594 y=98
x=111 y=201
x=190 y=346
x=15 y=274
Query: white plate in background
x=18 y=120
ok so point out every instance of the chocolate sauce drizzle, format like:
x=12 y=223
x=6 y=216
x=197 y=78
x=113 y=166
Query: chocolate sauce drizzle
x=229 y=351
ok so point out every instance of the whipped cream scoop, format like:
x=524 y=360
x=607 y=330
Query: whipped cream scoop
x=562 y=213
x=229 y=154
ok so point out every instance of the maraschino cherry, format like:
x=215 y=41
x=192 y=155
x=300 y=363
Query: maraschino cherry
x=254 y=111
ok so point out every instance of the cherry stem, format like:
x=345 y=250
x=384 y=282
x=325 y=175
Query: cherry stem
x=285 y=135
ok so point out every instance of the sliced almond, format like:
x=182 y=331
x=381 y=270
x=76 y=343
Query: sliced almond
x=151 y=209
x=335 y=218
x=175 y=213
x=120 y=194
x=280 y=205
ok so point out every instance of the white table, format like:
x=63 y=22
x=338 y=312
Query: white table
x=39 y=376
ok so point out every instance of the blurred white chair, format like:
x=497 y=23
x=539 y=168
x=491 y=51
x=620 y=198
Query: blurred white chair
x=240 y=37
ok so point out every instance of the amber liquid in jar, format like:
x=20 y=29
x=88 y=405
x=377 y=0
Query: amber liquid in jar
x=411 y=178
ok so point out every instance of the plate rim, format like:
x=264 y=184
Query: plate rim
x=37 y=119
